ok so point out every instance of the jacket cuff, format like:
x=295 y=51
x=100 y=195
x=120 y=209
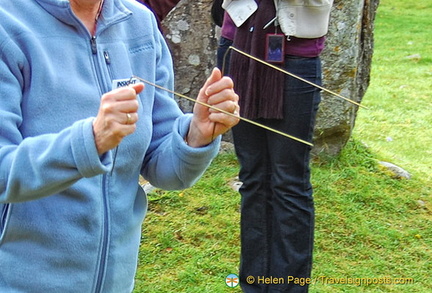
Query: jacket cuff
x=84 y=151
x=195 y=156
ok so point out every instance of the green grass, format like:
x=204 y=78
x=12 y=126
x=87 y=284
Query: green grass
x=400 y=95
x=190 y=238
x=369 y=225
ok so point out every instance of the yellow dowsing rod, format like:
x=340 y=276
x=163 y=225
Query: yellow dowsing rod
x=295 y=76
x=223 y=111
x=245 y=119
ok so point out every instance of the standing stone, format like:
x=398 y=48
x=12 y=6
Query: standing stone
x=346 y=71
x=193 y=38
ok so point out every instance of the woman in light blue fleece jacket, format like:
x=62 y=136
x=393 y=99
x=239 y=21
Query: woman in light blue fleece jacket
x=70 y=219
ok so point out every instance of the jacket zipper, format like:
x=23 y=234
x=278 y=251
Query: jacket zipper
x=93 y=45
x=104 y=250
x=4 y=212
x=108 y=65
x=105 y=235
x=94 y=50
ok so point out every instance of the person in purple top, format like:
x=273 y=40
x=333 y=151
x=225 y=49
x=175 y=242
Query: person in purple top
x=277 y=208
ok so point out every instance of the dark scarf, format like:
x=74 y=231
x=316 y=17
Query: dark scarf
x=260 y=87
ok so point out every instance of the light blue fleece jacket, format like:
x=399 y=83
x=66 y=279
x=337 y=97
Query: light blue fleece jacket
x=68 y=222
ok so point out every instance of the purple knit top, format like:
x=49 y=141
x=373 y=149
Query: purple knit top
x=228 y=27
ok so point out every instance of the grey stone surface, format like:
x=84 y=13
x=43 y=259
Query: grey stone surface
x=346 y=71
x=191 y=36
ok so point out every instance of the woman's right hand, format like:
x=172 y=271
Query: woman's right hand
x=117 y=117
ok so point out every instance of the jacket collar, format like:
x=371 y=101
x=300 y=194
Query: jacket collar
x=112 y=12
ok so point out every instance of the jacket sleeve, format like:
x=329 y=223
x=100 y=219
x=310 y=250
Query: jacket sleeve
x=38 y=166
x=170 y=163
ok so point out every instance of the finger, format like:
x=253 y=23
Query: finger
x=126 y=106
x=116 y=111
x=220 y=85
x=227 y=120
x=138 y=87
x=124 y=93
x=222 y=96
x=223 y=118
x=215 y=76
x=222 y=122
x=227 y=106
x=130 y=118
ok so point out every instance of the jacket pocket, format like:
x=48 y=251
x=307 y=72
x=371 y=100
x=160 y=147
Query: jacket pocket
x=4 y=212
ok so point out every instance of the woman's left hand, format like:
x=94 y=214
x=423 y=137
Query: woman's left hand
x=207 y=123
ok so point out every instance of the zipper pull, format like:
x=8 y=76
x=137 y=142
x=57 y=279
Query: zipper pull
x=107 y=58
x=93 y=44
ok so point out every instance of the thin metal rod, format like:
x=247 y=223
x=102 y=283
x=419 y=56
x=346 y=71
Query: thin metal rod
x=295 y=76
x=223 y=111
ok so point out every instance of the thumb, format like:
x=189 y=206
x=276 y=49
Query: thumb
x=215 y=76
x=138 y=87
